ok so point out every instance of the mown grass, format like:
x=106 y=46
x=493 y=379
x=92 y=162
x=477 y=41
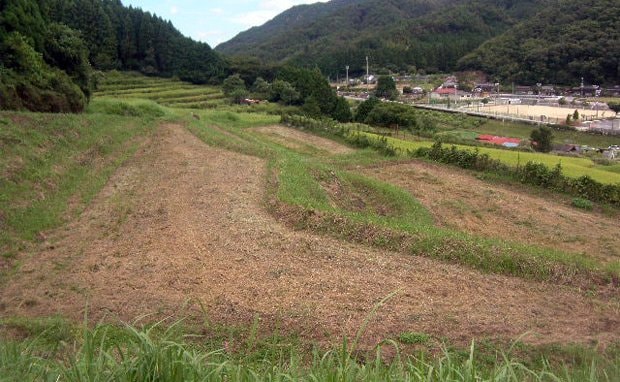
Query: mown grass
x=54 y=164
x=50 y=147
x=53 y=350
x=380 y=214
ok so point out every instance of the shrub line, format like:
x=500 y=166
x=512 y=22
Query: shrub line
x=532 y=173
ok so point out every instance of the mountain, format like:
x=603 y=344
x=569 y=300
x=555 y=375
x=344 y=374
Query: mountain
x=396 y=34
x=567 y=40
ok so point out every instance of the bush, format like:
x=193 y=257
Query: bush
x=394 y=114
x=584 y=204
x=540 y=175
x=469 y=159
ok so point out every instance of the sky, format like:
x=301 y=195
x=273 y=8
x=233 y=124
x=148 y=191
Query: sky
x=215 y=21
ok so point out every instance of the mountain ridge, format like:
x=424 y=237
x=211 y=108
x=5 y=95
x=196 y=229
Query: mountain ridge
x=406 y=35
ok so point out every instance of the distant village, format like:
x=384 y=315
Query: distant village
x=581 y=107
x=540 y=103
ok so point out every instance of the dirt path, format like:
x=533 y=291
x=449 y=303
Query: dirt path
x=458 y=200
x=184 y=221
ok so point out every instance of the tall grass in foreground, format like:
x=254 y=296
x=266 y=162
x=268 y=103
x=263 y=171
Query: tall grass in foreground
x=155 y=354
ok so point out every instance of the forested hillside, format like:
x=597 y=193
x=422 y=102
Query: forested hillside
x=568 y=40
x=397 y=34
x=49 y=47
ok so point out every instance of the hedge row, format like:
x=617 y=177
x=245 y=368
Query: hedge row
x=353 y=136
x=532 y=173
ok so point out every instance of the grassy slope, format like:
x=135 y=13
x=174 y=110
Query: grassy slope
x=45 y=150
x=53 y=165
x=303 y=201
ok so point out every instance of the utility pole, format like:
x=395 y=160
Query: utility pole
x=497 y=94
x=456 y=95
x=367 y=77
x=347 y=68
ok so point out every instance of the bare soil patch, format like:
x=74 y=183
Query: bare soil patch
x=461 y=201
x=535 y=111
x=183 y=222
x=296 y=139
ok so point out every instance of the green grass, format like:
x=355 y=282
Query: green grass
x=381 y=214
x=377 y=213
x=163 y=353
x=126 y=107
x=413 y=338
x=50 y=163
x=571 y=166
x=168 y=92
x=49 y=160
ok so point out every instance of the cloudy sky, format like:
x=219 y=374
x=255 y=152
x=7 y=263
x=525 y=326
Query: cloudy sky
x=215 y=21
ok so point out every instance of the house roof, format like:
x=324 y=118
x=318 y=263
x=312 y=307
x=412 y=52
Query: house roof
x=445 y=91
x=504 y=141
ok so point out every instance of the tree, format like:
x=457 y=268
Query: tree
x=389 y=114
x=23 y=16
x=615 y=106
x=65 y=49
x=311 y=107
x=541 y=139
x=386 y=88
x=28 y=82
x=238 y=95
x=232 y=84
x=261 y=88
x=576 y=115
x=283 y=91
x=342 y=111
x=365 y=108
x=311 y=83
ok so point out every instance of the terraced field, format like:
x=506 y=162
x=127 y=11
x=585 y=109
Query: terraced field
x=165 y=91
x=271 y=245
x=572 y=166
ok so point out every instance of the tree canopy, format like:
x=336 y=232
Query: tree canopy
x=541 y=139
x=386 y=88
x=48 y=49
